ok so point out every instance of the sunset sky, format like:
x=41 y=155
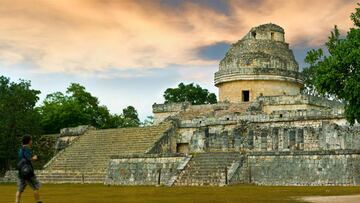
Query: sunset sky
x=127 y=52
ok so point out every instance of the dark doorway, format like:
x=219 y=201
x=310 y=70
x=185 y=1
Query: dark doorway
x=182 y=148
x=245 y=95
x=253 y=34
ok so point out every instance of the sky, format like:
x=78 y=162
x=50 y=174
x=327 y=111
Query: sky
x=128 y=52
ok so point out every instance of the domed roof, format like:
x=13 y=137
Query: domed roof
x=262 y=51
x=269 y=27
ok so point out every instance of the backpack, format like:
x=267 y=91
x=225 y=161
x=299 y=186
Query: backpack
x=25 y=168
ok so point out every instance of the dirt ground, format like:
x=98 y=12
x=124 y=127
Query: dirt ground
x=333 y=199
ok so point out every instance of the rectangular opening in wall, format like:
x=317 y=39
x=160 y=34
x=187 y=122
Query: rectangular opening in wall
x=275 y=136
x=250 y=139
x=182 y=148
x=300 y=139
x=263 y=141
x=253 y=34
x=292 y=138
x=272 y=36
x=245 y=95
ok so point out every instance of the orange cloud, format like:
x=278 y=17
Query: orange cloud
x=89 y=36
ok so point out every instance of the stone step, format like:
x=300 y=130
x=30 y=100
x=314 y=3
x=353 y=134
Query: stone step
x=207 y=168
x=92 y=151
x=47 y=176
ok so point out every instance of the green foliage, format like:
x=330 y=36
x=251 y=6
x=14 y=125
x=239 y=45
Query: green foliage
x=355 y=17
x=76 y=107
x=44 y=148
x=308 y=73
x=338 y=73
x=17 y=117
x=128 y=118
x=79 y=107
x=189 y=93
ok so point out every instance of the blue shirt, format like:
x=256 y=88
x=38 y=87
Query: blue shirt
x=27 y=153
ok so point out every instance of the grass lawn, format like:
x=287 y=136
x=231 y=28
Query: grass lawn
x=240 y=193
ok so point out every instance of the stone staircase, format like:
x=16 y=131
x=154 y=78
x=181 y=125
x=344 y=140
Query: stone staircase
x=87 y=158
x=9 y=177
x=61 y=176
x=207 y=169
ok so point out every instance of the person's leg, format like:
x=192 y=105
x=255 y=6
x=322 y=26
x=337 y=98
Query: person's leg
x=18 y=197
x=35 y=185
x=21 y=184
x=37 y=195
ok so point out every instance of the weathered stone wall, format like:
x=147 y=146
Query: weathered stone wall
x=68 y=135
x=232 y=91
x=255 y=73
x=184 y=111
x=286 y=117
x=10 y=177
x=167 y=143
x=213 y=138
x=326 y=136
x=266 y=32
x=275 y=54
x=319 y=135
x=297 y=102
x=239 y=174
x=305 y=168
x=163 y=111
x=142 y=170
x=299 y=99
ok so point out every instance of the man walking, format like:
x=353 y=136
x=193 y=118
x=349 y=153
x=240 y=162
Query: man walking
x=25 y=153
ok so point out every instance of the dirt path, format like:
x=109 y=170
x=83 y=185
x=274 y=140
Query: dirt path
x=334 y=199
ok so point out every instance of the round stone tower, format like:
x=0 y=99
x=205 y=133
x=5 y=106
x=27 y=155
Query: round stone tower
x=260 y=64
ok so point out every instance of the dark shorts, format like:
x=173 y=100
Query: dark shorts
x=33 y=183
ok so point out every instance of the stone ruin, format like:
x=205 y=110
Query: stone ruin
x=263 y=131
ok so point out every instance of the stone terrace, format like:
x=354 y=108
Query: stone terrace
x=87 y=158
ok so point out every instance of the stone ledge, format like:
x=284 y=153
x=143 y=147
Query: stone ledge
x=301 y=153
x=257 y=74
x=170 y=107
x=130 y=156
x=299 y=99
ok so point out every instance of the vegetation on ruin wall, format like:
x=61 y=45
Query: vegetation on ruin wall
x=337 y=74
x=189 y=93
x=19 y=115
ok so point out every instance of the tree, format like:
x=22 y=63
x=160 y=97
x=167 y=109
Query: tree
x=76 y=107
x=128 y=118
x=17 y=117
x=338 y=73
x=189 y=93
x=79 y=107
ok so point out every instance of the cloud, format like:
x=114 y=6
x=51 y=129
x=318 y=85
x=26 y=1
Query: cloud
x=98 y=36
x=214 y=51
x=304 y=22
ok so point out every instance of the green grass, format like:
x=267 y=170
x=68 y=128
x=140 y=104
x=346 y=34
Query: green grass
x=240 y=193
